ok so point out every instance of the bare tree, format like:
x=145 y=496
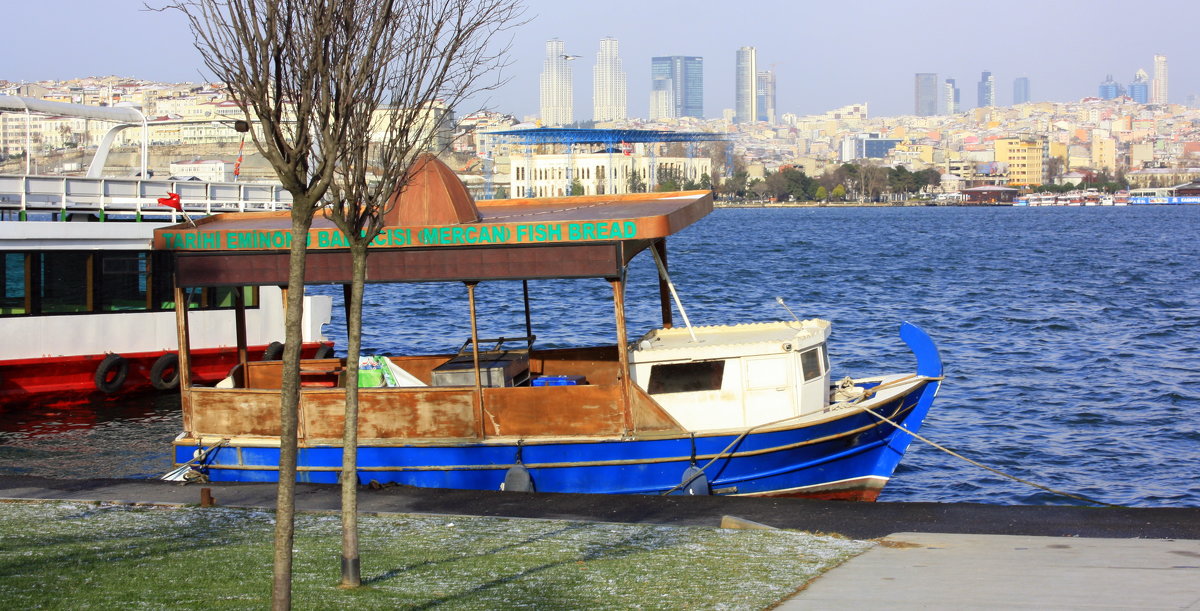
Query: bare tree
x=311 y=74
x=440 y=53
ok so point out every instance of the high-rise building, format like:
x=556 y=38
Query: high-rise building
x=951 y=97
x=608 y=83
x=925 y=94
x=764 y=96
x=987 y=90
x=662 y=98
x=1158 y=87
x=1110 y=89
x=686 y=76
x=1139 y=89
x=1020 y=90
x=557 y=96
x=745 y=81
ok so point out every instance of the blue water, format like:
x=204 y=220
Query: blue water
x=1069 y=334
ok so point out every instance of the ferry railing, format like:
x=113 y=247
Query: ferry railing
x=134 y=196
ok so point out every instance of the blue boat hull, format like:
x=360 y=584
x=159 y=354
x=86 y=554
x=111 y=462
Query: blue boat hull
x=850 y=456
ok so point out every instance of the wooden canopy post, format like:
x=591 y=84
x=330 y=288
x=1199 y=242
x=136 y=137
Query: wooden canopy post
x=664 y=289
x=618 y=286
x=181 y=329
x=239 y=301
x=475 y=356
x=528 y=316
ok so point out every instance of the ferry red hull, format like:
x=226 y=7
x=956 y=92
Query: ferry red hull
x=66 y=380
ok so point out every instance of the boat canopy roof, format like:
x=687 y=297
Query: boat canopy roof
x=566 y=237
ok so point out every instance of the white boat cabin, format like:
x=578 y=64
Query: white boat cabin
x=735 y=376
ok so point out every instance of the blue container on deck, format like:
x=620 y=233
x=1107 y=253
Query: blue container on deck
x=559 y=381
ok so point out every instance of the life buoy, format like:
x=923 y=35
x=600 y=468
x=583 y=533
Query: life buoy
x=274 y=352
x=111 y=373
x=324 y=351
x=164 y=374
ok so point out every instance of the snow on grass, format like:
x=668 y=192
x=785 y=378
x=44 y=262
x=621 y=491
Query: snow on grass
x=87 y=556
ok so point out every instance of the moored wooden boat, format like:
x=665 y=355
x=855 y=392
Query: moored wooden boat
x=741 y=409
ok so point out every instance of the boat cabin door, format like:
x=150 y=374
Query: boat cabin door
x=770 y=388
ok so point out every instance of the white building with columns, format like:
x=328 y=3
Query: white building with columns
x=601 y=173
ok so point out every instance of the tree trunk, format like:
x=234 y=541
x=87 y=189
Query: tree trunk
x=351 y=573
x=289 y=403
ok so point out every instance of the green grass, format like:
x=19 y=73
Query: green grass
x=59 y=555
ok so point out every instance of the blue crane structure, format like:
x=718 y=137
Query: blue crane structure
x=607 y=140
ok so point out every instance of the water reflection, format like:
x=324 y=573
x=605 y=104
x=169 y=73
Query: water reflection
x=130 y=438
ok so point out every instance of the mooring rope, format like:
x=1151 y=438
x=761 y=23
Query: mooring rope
x=1078 y=497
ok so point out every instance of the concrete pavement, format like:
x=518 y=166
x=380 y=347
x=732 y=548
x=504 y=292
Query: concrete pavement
x=957 y=571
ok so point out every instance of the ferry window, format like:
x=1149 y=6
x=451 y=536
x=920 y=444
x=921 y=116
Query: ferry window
x=685 y=377
x=810 y=361
x=65 y=282
x=122 y=281
x=12 y=284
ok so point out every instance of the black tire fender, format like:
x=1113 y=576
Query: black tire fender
x=274 y=352
x=111 y=373
x=167 y=364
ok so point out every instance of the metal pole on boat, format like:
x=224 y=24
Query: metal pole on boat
x=664 y=292
x=662 y=272
x=475 y=356
x=618 y=286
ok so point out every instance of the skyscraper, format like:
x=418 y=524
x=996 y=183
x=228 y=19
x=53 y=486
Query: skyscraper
x=745 y=81
x=686 y=80
x=1020 y=90
x=1110 y=89
x=557 y=97
x=950 y=97
x=662 y=98
x=1158 y=87
x=608 y=83
x=1139 y=89
x=987 y=90
x=925 y=94
x=764 y=96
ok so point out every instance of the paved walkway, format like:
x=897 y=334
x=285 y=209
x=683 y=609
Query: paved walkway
x=955 y=571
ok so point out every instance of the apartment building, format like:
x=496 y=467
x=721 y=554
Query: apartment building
x=1025 y=159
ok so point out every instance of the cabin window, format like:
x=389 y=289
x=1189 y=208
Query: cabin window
x=76 y=282
x=12 y=284
x=810 y=361
x=685 y=377
x=122 y=286
x=65 y=279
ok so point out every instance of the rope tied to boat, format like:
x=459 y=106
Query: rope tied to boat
x=1078 y=497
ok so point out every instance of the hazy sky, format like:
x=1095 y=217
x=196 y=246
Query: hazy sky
x=825 y=54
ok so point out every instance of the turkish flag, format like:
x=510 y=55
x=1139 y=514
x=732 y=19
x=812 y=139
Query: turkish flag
x=171 y=201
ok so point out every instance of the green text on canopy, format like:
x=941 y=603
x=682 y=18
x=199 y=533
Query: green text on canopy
x=527 y=233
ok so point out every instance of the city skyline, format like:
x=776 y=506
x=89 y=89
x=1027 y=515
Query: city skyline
x=876 y=68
